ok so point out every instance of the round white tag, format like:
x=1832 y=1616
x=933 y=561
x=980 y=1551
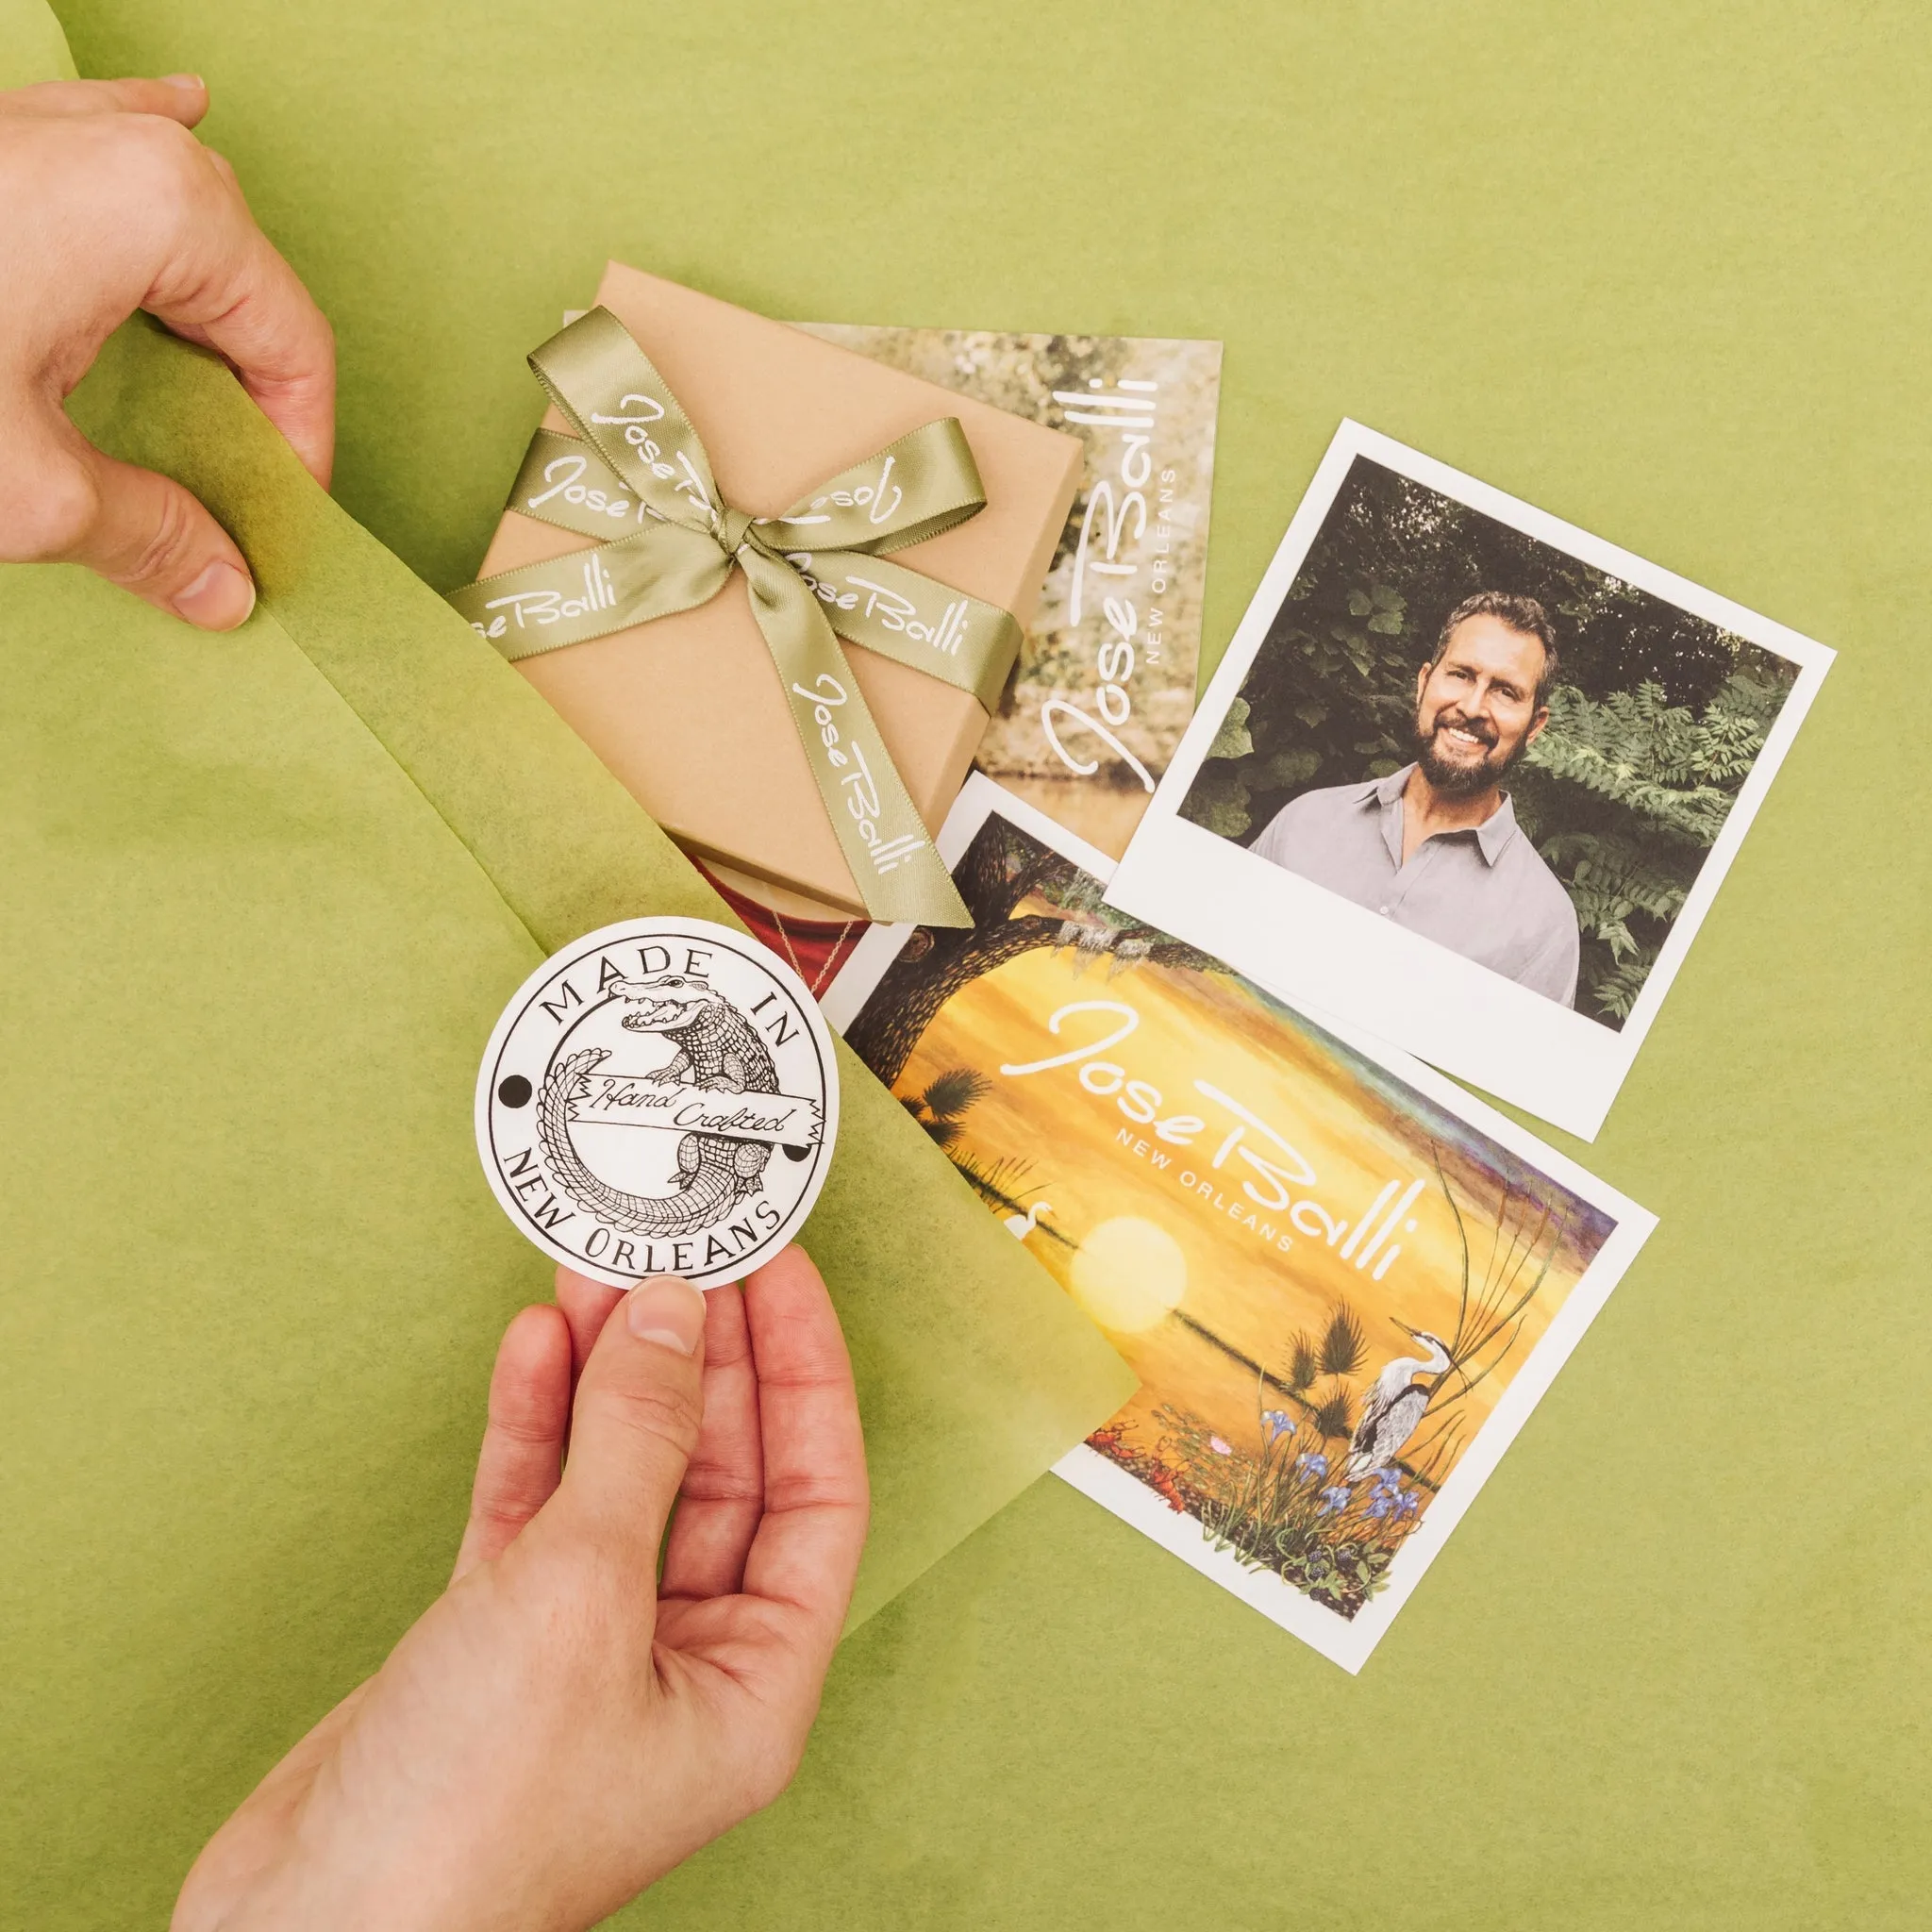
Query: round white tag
x=659 y=1098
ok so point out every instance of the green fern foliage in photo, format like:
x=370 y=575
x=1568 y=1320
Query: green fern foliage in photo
x=1656 y=721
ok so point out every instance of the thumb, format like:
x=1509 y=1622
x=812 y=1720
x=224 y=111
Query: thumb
x=639 y=1404
x=138 y=529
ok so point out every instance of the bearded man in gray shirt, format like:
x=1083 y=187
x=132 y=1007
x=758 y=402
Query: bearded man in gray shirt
x=1436 y=846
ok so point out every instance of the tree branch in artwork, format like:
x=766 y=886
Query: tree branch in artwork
x=1003 y=870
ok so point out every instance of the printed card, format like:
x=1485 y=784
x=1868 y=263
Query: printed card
x=1104 y=686
x=1342 y=1282
x=1469 y=777
x=660 y=1097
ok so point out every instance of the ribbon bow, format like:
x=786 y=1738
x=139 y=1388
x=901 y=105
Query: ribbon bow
x=636 y=477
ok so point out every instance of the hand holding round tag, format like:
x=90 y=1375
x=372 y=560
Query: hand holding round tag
x=661 y=1098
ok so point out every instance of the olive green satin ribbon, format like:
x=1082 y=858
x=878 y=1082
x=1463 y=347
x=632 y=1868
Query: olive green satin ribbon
x=638 y=478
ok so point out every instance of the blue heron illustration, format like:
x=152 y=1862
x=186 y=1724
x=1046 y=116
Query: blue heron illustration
x=1394 y=1406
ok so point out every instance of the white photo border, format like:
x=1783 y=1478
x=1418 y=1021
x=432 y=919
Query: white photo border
x=1329 y=957
x=1347 y=1642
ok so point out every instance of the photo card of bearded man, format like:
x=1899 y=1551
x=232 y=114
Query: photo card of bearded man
x=1343 y=1283
x=1469 y=778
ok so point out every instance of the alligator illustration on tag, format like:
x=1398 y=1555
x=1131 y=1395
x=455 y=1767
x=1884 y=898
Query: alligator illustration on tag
x=660 y=1097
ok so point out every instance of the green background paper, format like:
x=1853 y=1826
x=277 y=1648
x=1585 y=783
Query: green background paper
x=1661 y=269
x=265 y=896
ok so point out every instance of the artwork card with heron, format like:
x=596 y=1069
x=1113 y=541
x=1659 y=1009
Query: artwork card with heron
x=1343 y=1281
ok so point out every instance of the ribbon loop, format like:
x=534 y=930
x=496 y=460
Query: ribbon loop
x=606 y=388
x=919 y=486
x=636 y=479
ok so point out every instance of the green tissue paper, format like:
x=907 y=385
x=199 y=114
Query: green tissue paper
x=266 y=895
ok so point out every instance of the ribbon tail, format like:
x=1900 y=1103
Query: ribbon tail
x=887 y=848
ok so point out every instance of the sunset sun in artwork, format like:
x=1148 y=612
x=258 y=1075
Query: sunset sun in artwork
x=1129 y=1274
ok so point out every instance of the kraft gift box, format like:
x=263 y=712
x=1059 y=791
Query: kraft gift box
x=687 y=710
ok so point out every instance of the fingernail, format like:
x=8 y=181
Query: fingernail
x=188 y=83
x=218 y=599
x=666 y=1310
